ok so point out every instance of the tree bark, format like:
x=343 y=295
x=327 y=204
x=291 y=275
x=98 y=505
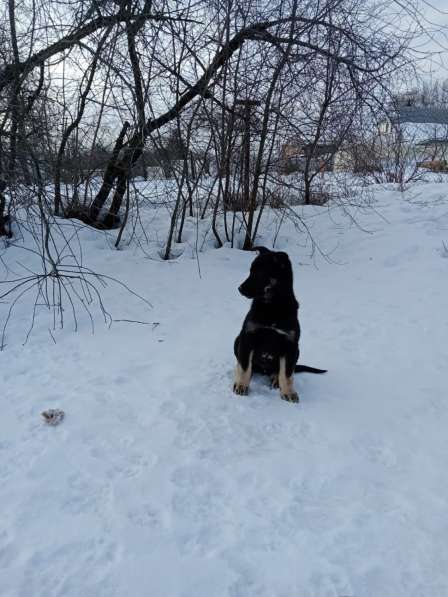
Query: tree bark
x=109 y=176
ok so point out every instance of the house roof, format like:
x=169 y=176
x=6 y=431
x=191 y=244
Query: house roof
x=421 y=114
x=435 y=142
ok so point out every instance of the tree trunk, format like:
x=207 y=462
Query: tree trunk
x=123 y=170
x=4 y=230
x=110 y=174
x=307 y=191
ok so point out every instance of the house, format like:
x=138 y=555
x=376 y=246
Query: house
x=296 y=153
x=413 y=133
x=356 y=157
x=418 y=129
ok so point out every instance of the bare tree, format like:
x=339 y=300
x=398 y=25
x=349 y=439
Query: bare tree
x=233 y=79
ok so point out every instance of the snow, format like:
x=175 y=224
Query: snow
x=421 y=132
x=160 y=481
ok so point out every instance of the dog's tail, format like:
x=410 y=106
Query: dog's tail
x=306 y=369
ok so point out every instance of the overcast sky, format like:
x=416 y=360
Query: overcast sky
x=436 y=39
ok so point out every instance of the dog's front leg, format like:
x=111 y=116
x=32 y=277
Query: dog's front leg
x=286 y=380
x=243 y=369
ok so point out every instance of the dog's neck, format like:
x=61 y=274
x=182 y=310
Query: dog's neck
x=277 y=300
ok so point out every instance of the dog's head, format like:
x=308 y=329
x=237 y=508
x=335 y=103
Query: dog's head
x=270 y=276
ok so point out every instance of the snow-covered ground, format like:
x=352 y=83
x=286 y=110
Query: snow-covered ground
x=160 y=482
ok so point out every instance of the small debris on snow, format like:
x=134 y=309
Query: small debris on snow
x=53 y=416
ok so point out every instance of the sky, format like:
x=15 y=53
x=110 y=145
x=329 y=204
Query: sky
x=435 y=39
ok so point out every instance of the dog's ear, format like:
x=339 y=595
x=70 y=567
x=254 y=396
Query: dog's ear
x=283 y=259
x=261 y=250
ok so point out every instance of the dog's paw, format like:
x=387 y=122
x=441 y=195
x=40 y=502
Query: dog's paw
x=274 y=382
x=292 y=397
x=240 y=389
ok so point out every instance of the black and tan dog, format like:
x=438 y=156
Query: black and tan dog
x=269 y=339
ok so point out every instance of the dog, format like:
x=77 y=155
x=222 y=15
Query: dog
x=269 y=339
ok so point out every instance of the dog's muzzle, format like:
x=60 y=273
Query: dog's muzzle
x=241 y=290
x=245 y=291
